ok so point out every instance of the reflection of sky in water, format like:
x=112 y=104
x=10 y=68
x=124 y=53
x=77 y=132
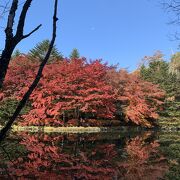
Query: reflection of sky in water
x=83 y=156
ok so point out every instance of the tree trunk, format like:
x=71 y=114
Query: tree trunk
x=26 y=96
x=4 y=61
x=11 y=39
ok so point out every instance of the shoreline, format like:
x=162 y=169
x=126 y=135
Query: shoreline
x=49 y=129
x=81 y=129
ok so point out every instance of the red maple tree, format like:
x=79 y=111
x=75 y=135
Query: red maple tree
x=78 y=89
x=72 y=86
x=139 y=99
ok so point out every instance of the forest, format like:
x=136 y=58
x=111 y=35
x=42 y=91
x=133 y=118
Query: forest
x=76 y=91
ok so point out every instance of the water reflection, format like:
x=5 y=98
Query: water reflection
x=74 y=156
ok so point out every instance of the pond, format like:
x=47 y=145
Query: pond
x=145 y=155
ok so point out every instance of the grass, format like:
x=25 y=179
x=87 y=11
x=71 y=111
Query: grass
x=49 y=129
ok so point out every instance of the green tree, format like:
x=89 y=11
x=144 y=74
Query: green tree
x=7 y=107
x=40 y=50
x=174 y=65
x=158 y=72
x=16 y=53
x=74 y=54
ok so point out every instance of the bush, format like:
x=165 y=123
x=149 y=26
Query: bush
x=7 y=108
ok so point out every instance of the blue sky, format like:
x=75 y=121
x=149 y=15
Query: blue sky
x=117 y=31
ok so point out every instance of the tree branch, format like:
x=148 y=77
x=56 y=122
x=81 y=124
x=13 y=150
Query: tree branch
x=4 y=8
x=10 y=22
x=26 y=96
x=34 y=30
x=20 y=27
x=173 y=6
x=12 y=40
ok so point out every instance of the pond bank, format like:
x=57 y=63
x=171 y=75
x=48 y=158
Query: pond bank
x=81 y=129
x=74 y=129
x=55 y=129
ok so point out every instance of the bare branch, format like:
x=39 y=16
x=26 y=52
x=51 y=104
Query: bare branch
x=4 y=8
x=172 y=7
x=11 y=16
x=20 y=27
x=34 y=30
x=12 y=40
x=36 y=80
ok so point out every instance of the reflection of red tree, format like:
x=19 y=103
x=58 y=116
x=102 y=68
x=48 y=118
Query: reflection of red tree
x=144 y=162
x=47 y=157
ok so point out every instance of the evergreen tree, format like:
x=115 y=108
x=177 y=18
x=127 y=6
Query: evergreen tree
x=16 y=53
x=158 y=72
x=74 y=54
x=174 y=66
x=40 y=50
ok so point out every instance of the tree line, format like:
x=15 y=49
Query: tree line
x=76 y=89
x=38 y=52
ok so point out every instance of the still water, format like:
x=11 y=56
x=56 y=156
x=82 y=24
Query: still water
x=102 y=156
